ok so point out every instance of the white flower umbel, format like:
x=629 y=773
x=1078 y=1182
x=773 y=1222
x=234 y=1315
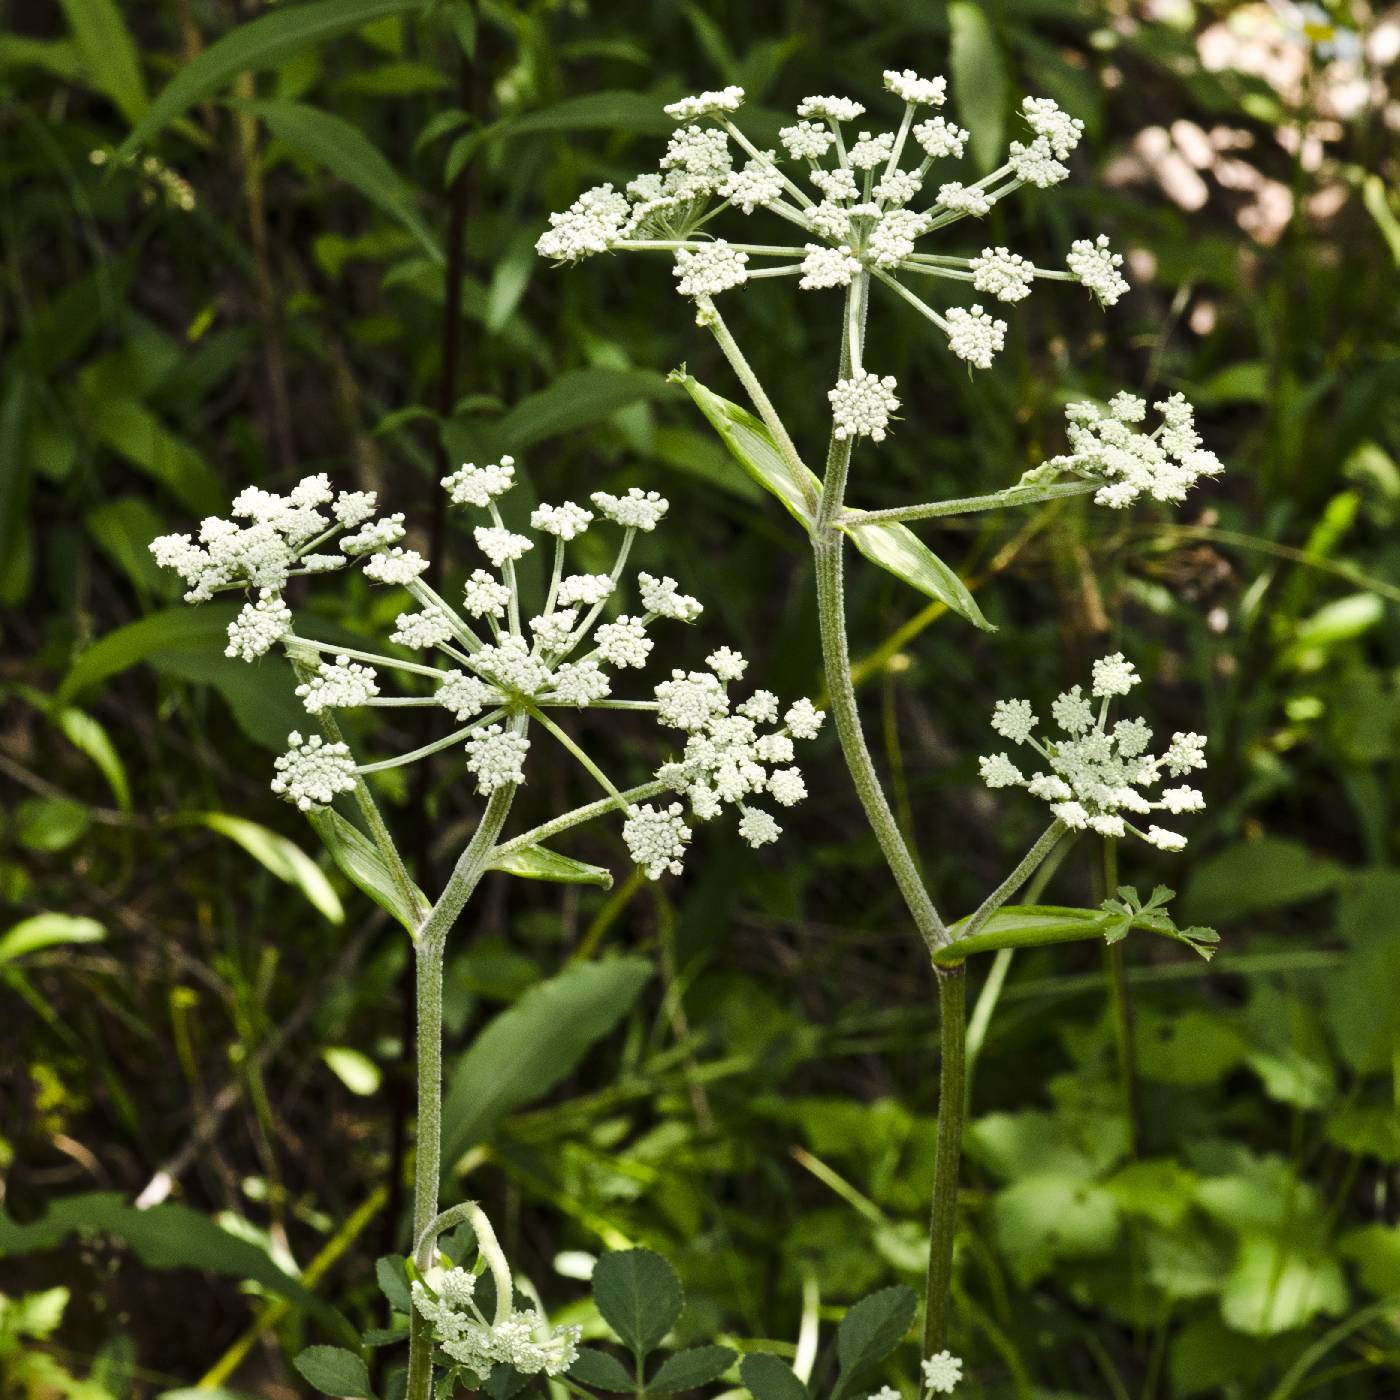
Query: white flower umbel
x=521 y=1338
x=258 y=627
x=942 y=1373
x=497 y=757
x=1107 y=447
x=312 y=772
x=1095 y=774
x=1095 y=265
x=341 y=686
x=471 y=485
x=863 y=404
x=851 y=200
x=657 y=838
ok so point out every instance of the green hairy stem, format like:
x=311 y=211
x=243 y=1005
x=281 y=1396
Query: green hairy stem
x=952 y=1107
x=431 y=944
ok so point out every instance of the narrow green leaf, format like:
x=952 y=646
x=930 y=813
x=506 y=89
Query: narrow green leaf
x=574 y=400
x=601 y=1371
x=540 y=863
x=335 y=1371
x=686 y=1370
x=752 y=446
x=109 y=53
x=639 y=1296
x=894 y=548
x=897 y=549
x=1373 y=196
x=596 y=111
x=770 y=1378
x=41 y=931
x=167 y=1236
x=284 y=858
x=529 y=1048
x=349 y=155
x=364 y=867
x=89 y=737
x=265 y=42
x=979 y=79
x=869 y=1332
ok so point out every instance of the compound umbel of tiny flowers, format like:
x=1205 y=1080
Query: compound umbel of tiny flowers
x=942 y=1374
x=501 y=669
x=861 y=201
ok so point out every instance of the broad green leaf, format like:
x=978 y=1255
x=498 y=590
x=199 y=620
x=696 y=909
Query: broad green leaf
x=685 y=1370
x=109 y=53
x=1368 y=1130
x=596 y=111
x=1042 y=1218
x=265 y=42
x=540 y=863
x=166 y=1236
x=176 y=629
x=1375 y=1250
x=1195 y=1047
x=1267 y=874
x=284 y=858
x=41 y=931
x=353 y=1068
x=529 y=1048
x=348 y=154
x=769 y=1377
x=601 y=1371
x=393 y=1281
x=359 y=860
x=50 y=824
x=639 y=1296
x=123 y=528
x=869 y=1332
x=1274 y=1287
x=334 y=1371
x=894 y=548
x=978 y=71
x=1160 y=1190
x=897 y=549
x=575 y=399
x=752 y=446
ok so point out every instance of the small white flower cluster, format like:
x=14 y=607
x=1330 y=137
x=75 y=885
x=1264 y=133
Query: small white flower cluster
x=864 y=214
x=1096 y=774
x=522 y=1339
x=726 y=760
x=1107 y=447
x=270 y=539
x=504 y=667
x=942 y=1374
x=861 y=405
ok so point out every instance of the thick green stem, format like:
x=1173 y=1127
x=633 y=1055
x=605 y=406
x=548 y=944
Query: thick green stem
x=943 y=1215
x=1122 y=1005
x=432 y=941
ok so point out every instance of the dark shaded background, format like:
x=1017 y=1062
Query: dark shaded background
x=225 y=311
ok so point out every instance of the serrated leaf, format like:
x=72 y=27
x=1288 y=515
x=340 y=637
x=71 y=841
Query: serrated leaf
x=598 y=1369
x=284 y=858
x=389 y=1274
x=639 y=1296
x=265 y=42
x=363 y=866
x=335 y=1371
x=870 y=1331
x=696 y=1366
x=769 y=1377
x=540 y=863
x=332 y=142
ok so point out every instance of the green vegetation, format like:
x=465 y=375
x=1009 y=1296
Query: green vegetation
x=246 y=244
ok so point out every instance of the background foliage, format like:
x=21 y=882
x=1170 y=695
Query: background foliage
x=735 y=1070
